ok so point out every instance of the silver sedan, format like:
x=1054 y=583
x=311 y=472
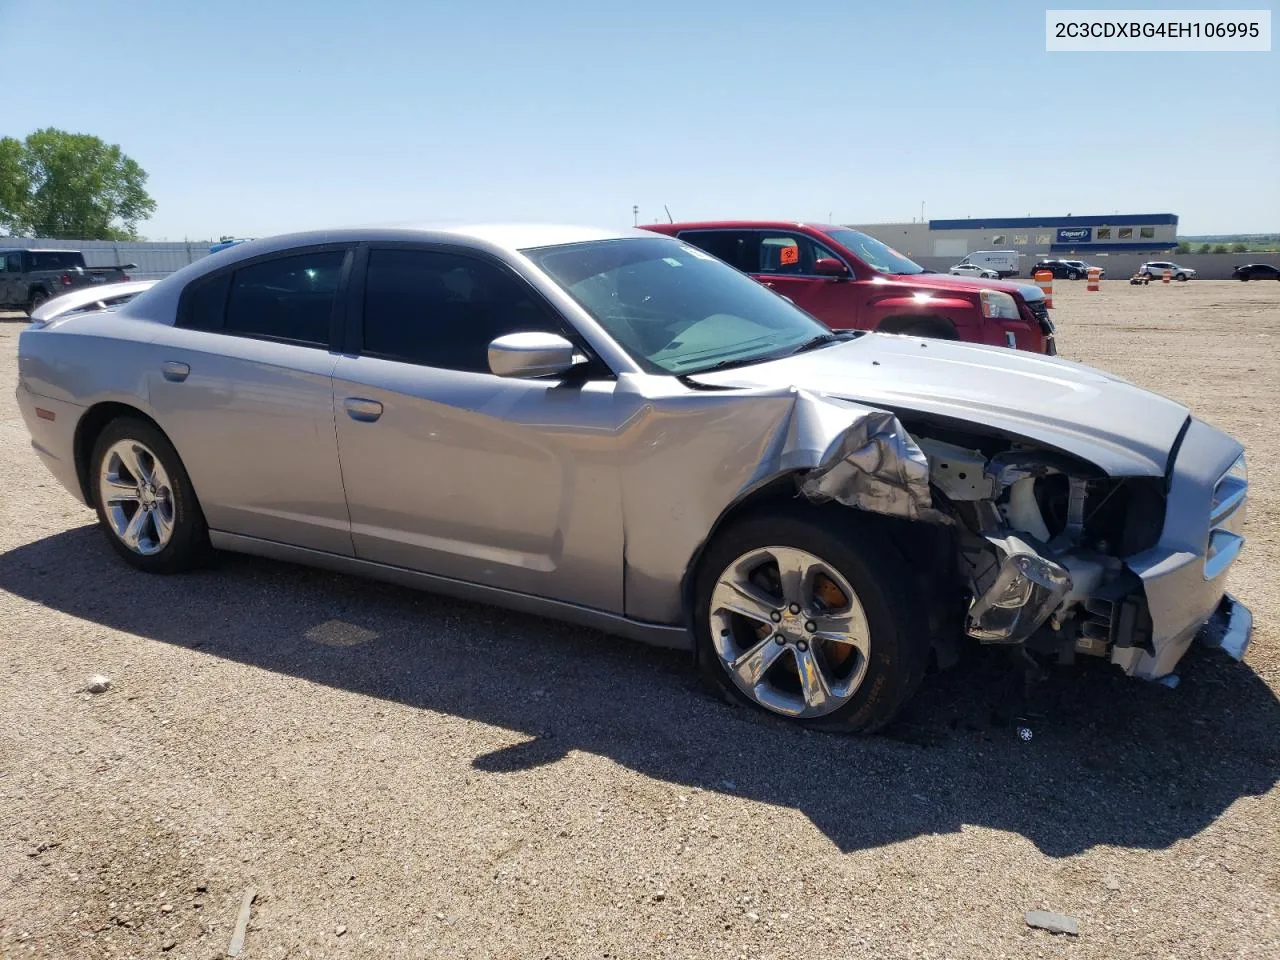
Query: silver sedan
x=617 y=429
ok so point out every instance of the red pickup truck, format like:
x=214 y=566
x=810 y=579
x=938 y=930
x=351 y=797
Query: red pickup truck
x=850 y=280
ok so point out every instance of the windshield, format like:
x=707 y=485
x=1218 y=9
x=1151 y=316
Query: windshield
x=873 y=253
x=674 y=308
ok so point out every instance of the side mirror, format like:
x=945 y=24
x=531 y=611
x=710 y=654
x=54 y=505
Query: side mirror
x=530 y=355
x=830 y=267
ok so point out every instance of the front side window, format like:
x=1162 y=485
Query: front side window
x=13 y=263
x=674 y=308
x=286 y=298
x=878 y=256
x=443 y=309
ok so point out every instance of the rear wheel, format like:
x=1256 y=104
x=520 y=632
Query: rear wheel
x=37 y=298
x=806 y=615
x=145 y=502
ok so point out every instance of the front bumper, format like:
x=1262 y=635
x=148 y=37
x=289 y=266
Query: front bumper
x=1184 y=577
x=1230 y=629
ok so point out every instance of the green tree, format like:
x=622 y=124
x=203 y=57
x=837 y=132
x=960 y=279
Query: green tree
x=1238 y=247
x=1184 y=247
x=1204 y=248
x=1220 y=248
x=71 y=186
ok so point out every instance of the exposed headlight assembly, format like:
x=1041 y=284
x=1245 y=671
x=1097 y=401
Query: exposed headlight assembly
x=998 y=306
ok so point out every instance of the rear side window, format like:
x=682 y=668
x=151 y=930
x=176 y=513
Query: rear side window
x=443 y=309
x=288 y=298
x=55 y=261
x=738 y=248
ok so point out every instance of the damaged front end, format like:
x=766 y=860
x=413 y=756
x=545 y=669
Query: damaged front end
x=1042 y=541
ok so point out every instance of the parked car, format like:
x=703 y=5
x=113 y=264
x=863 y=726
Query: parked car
x=1155 y=269
x=1004 y=262
x=617 y=429
x=29 y=277
x=1256 y=271
x=852 y=281
x=88 y=299
x=973 y=270
x=1062 y=270
x=1083 y=269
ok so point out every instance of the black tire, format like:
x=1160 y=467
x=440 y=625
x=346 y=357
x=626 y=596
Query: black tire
x=1073 y=275
x=188 y=545
x=878 y=573
x=37 y=298
x=1182 y=278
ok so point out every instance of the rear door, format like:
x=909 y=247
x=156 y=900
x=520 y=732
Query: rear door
x=243 y=388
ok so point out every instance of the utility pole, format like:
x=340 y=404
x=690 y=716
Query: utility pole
x=635 y=215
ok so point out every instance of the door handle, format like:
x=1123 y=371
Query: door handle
x=175 y=371
x=768 y=283
x=366 y=411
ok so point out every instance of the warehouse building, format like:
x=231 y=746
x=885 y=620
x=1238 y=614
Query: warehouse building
x=1140 y=233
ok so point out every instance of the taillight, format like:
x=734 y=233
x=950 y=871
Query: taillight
x=66 y=280
x=124 y=276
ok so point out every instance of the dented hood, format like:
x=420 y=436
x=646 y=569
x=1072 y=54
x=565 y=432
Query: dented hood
x=1121 y=428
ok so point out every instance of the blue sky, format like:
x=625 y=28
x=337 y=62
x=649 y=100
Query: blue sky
x=263 y=117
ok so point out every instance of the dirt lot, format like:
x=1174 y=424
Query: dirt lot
x=399 y=775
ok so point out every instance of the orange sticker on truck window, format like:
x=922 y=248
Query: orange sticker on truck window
x=789 y=255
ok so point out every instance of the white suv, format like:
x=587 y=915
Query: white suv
x=1154 y=270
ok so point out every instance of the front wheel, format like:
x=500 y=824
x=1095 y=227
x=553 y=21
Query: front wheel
x=805 y=614
x=145 y=502
x=1073 y=275
x=1181 y=277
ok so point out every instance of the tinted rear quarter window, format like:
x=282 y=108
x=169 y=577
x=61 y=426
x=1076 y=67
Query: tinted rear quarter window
x=443 y=309
x=204 y=303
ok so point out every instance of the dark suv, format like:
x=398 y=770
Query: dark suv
x=1065 y=269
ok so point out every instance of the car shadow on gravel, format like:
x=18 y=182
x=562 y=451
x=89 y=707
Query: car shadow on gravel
x=1110 y=760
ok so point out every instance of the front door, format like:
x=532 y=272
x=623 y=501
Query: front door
x=786 y=265
x=456 y=472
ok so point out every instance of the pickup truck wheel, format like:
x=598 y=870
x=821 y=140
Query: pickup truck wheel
x=805 y=613
x=37 y=299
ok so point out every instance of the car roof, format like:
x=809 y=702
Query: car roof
x=745 y=225
x=37 y=250
x=496 y=238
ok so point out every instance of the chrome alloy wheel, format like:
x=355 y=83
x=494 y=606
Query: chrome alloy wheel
x=136 y=497
x=790 y=631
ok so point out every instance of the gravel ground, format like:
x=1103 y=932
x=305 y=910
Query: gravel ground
x=399 y=775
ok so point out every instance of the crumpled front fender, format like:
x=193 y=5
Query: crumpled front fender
x=696 y=456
